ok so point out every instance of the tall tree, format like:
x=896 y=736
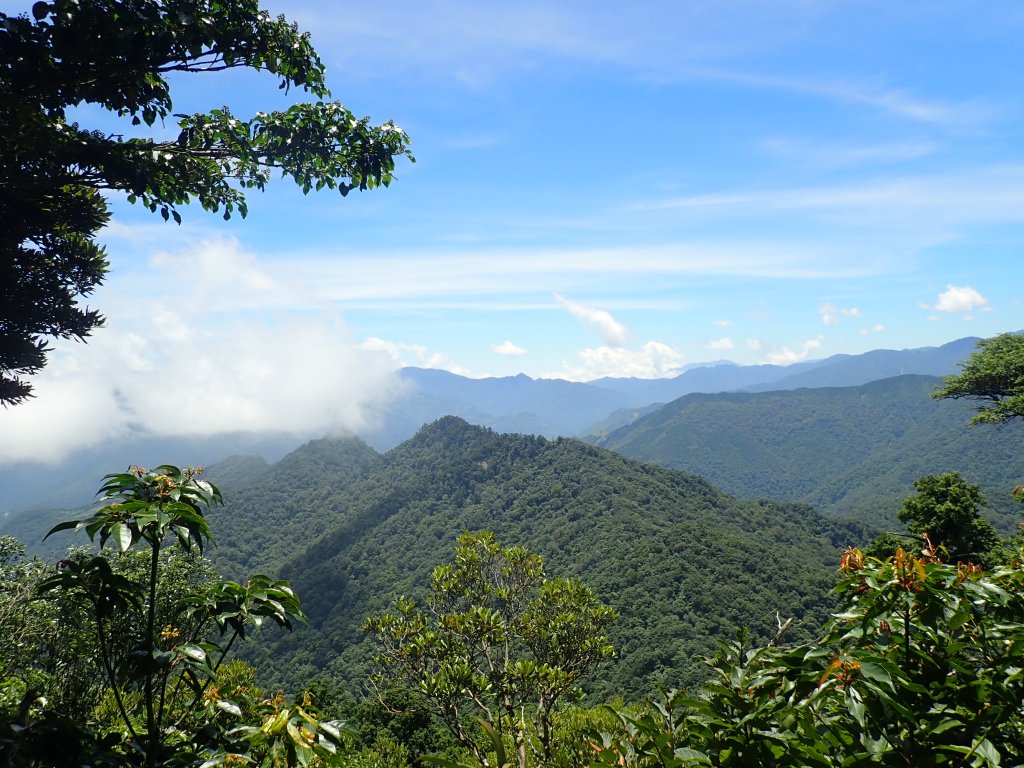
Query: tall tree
x=499 y=642
x=994 y=375
x=117 y=55
x=946 y=510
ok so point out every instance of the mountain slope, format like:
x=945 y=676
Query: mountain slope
x=289 y=504
x=552 y=407
x=848 y=450
x=682 y=562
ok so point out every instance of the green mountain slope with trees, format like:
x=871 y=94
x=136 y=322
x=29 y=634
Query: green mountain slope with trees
x=851 y=451
x=683 y=563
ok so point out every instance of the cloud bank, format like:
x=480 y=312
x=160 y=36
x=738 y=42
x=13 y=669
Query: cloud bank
x=188 y=357
x=651 y=361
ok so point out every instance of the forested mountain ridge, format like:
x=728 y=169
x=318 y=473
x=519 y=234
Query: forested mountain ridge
x=850 y=451
x=549 y=407
x=288 y=504
x=683 y=563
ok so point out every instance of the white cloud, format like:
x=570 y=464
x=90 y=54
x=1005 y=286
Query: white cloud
x=485 y=42
x=723 y=343
x=831 y=315
x=787 y=356
x=182 y=355
x=722 y=323
x=508 y=348
x=607 y=327
x=653 y=360
x=957 y=299
x=413 y=355
x=400 y=353
x=755 y=344
x=894 y=101
x=470 y=277
x=903 y=202
x=876 y=328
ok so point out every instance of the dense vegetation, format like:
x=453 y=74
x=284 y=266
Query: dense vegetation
x=118 y=658
x=921 y=665
x=649 y=541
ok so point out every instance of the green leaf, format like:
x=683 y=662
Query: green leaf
x=121 y=534
x=66 y=525
x=692 y=755
x=230 y=707
x=878 y=673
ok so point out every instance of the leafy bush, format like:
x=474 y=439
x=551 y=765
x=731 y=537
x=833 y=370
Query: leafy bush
x=922 y=666
x=159 y=652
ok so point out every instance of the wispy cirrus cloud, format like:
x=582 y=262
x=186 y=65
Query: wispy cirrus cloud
x=833 y=155
x=737 y=44
x=600 y=321
x=863 y=92
x=972 y=196
x=463 y=276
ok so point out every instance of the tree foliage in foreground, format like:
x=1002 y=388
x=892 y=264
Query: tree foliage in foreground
x=994 y=376
x=168 y=703
x=118 y=55
x=923 y=666
x=499 y=645
x=946 y=512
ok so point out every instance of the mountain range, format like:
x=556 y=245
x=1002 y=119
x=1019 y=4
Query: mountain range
x=548 y=407
x=685 y=564
x=849 y=451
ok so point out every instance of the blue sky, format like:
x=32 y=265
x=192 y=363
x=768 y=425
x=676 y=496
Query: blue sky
x=600 y=189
